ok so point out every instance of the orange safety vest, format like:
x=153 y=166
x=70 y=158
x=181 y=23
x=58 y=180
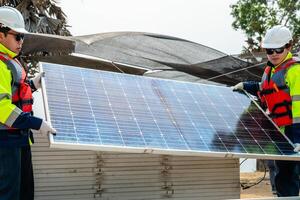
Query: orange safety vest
x=275 y=94
x=21 y=90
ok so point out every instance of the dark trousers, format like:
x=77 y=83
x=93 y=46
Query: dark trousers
x=287 y=178
x=27 y=182
x=272 y=174
x=10 y=173
x=16 y=174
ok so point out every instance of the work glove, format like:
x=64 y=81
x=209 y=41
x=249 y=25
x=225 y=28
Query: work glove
x=238 y=87
x=46 y=128
x=297 y=147
x=293 y=133
x=37 y=80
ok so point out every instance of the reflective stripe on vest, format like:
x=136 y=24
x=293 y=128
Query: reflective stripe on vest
x=276 y=94
x=296 y=98
x=12 y=118
x=296 y=120
x=3 y=96
x=21 y=91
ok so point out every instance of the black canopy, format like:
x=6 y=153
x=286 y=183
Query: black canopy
x=143 y=54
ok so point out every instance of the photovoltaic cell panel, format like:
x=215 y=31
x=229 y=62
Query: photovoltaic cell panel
x=97 y=110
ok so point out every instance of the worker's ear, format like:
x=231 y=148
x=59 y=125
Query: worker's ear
x=289 y=45
x=2 y=36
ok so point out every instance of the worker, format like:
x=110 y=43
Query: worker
x=279 y=91
x=16 y=119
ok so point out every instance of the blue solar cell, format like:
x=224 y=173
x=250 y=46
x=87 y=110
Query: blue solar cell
x=99 y=110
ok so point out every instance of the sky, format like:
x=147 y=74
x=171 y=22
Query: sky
x=207 y=22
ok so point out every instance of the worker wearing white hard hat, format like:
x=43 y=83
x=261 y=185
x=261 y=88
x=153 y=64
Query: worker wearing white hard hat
x=12 y=18
x=16 y=119
x=277 y=37
x=279 y=92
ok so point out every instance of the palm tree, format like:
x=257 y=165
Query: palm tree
x=41 y=16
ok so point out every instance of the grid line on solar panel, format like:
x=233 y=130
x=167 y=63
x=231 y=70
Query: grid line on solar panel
x=127 y=111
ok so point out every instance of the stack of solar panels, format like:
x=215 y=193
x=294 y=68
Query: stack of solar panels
x=63 y=174
x=138 y=176
x=70 y=174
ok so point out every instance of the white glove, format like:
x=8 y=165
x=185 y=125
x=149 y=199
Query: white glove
x=238 y=87
x=46 y=128
x=37 y=80
x=297 y=147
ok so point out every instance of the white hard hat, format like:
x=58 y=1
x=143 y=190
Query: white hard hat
x=277 y=37
x=10 y=17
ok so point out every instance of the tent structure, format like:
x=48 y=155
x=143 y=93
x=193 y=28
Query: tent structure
x=143 y=54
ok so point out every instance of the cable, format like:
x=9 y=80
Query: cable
x=235 y=71
x=249 y=185
x=113 y=64
x=243 y=161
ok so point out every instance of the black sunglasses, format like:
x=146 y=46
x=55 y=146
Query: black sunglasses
x=18 y=36
x=277 y=50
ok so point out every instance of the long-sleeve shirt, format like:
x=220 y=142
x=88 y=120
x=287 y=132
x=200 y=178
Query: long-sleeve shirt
x=10 y=114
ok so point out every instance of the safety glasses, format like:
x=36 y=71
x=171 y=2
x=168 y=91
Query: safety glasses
x=277 y=50
x=18 y=36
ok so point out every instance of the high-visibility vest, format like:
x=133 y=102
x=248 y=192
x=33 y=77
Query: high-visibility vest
x=275 y=94
x=21 y=90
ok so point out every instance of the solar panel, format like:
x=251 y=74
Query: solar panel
x=106 y=111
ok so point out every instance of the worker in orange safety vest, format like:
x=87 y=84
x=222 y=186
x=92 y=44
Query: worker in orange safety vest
x=279 y=92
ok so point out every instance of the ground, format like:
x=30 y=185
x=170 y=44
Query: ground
x=263 y=189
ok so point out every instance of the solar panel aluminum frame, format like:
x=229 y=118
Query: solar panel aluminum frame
x=253 y=99
x=142 y=150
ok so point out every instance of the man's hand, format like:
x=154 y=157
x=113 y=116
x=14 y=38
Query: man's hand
x=46 y=128
x=294 y=132
x=238 y=87
x=37 y=80
x=297 y=147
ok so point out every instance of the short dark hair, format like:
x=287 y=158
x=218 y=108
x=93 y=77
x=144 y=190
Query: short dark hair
x=288 y=44
x=4 y=29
